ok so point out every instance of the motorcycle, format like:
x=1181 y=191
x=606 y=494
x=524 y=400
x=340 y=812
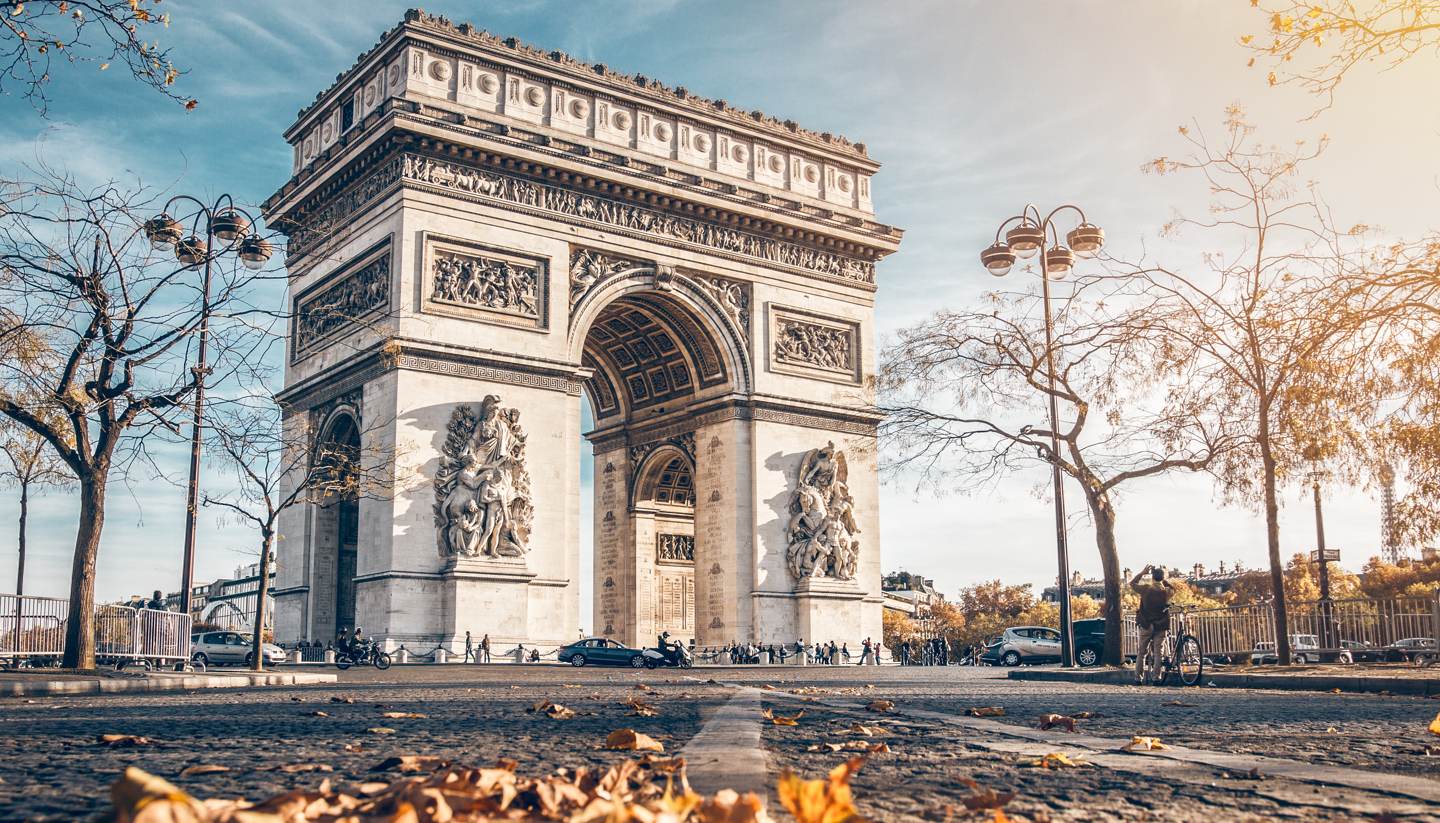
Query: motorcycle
x=671 y=654
x=368 y=653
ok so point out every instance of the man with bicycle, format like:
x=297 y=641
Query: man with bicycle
x=1153 y=621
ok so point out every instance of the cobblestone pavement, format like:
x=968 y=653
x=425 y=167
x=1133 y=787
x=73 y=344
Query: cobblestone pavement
x=52 y=768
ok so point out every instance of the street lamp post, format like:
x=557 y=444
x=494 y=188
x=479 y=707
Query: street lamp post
x=1327 y=629
x=233 y=227
x=1029 y=233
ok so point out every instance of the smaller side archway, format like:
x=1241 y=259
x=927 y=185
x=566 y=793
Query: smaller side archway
x=335 y=530
x=663 y=518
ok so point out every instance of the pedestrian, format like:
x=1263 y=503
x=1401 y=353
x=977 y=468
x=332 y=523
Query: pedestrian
x=834 y=653
x=521 y=649
x=1152 y=620
x=485 y=648
x=157 y=602
x=469 y=648
x=905 y=652
x=865 y=652
x=845 y=651
x=874 y=653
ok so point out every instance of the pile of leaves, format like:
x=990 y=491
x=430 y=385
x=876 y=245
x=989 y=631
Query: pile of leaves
x=650 y=789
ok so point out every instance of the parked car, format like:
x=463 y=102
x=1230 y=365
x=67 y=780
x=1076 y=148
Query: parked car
x=1412 y=648
x=1304 y=648
x=229 y=648
x=1024 y=644
x=1090 y=641
x=601 y=651
x=1362 y=652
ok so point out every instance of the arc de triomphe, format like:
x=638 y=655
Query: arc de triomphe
x=481 y=232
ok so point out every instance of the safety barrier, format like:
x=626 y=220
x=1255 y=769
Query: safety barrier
x=32 y=631
x=1365 y=628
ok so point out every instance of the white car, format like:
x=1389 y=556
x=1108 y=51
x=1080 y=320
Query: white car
x=229 y=648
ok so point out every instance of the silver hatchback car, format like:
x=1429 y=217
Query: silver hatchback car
x=229 y=648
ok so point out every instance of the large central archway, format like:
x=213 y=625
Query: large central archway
x=657 y=351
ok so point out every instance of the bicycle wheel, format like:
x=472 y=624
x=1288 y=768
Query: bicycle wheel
x=1189 y=659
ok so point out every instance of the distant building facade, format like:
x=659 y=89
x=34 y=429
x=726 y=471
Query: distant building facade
x=228 y=602
x=1211 y=583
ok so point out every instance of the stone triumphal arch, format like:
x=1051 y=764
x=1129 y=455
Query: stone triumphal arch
x=481 y=233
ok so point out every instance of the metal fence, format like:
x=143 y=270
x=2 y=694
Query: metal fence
x=32 y=629
x=1360 y=626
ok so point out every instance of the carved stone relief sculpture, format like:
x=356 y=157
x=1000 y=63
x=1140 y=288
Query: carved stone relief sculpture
x=484 y=282
x=482 y=488
x=822 y=532
x=355 y=295
x=588 y=267
x=733 y=296
x=811 y=344
x=675 y=548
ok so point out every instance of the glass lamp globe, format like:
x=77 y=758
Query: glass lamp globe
x=998 y=259
x=1025 y=239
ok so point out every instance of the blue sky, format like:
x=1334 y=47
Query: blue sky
x=975 y=108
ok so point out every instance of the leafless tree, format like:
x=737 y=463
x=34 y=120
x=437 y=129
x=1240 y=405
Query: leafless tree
x=77 y=272
x=33 y=466
x=962 y=391
x=36 y=34
x=1260 y=327
x=278 y=464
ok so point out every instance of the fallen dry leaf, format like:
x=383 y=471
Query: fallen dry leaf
x=1179 y=703
x=161 y=800
x=729 y=806
x=1058 y=760
x=1145 y=744
x=380 y=730
x=1334 y=691
x=302 y=768
x=203 y=768
x=410 y=764
x=1050 y=721
x=554 y=711
x=983 y=797
x=782 y=720
x=834 y=747
x=404 y=715
x=866 y=731
x=123 y=741
x=1434 y=726
x=342 y=700
x=639 y=708
x=987 y=711
x=881 y=706
x=768 y=687
x=850 y=746
x=820 y=801
x=631 y=740
x=1086 y=715
x=318 y=713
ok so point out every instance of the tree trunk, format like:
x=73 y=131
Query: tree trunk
x=1272 y=538
x=258 y=642
x=24 y=514
x=80 y=623
x=1104 y=516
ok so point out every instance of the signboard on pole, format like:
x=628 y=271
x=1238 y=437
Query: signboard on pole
x=1331 y=556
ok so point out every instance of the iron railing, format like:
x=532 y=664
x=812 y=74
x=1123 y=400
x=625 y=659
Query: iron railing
x=1364 y=627
x=32 y=630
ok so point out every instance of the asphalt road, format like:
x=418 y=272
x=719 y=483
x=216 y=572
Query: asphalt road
x=1332 y=754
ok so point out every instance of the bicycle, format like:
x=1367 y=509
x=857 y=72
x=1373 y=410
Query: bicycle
x=1180 y=655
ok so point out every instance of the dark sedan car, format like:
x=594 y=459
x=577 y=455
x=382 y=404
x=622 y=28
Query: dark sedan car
x=601 y=651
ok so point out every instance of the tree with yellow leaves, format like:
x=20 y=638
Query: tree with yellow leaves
x=1314 y=44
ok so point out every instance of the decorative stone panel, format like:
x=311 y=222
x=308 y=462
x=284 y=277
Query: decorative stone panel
x=358 y=290
x=480 y=282
x=674 y=548
x=814 y=345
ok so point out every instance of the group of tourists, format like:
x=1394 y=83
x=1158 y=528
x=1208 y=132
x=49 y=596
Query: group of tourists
x=480 y=654
x=818 y=654
x=932 y=652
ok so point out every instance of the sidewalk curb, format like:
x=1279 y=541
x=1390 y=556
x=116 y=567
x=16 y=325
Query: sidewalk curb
x=1417 y=686
x=157 y=682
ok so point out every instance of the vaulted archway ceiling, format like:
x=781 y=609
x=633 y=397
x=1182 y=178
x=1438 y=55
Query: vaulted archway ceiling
x=646 y=351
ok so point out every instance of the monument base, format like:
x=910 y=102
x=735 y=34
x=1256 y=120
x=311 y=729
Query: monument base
x=484 y=595
x=827 y=609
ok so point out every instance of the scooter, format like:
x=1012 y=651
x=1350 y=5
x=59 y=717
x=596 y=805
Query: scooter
x=672 y=654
